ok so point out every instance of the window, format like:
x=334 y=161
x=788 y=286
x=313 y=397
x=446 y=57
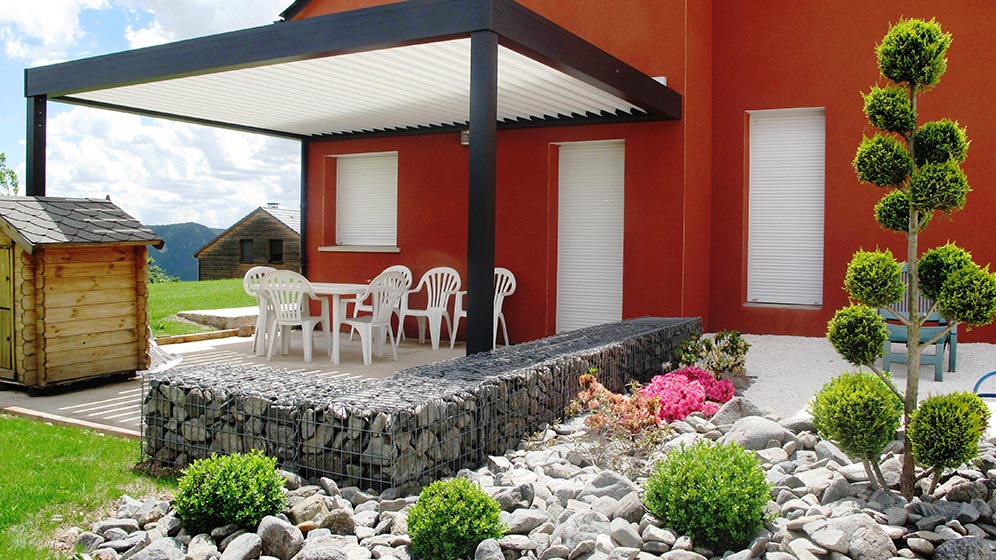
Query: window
x=276 y=251
x=367 y=200
x=785 y=207
x=245 y=250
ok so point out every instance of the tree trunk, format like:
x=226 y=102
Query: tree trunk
x=913 y=349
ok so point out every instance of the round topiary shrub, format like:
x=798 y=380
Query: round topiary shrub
x=874 y=278
x=451 y=518
x=935 y=265
x=940 y=141
x=945 y=430
x=939 y=186
x=889 y=108
x=893 y=212
x=913 y=52
x=858 y=334
x=241 y=488
x=713 y=493
x=882 y=161
x=969 y=296
x=858 y=412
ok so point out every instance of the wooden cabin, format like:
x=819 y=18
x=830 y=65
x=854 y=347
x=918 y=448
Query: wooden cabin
x=73 y=292
x=269 y=236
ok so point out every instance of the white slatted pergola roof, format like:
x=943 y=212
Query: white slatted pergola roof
x=412 y=67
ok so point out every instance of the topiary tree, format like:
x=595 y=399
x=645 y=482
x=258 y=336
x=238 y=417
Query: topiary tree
x=919 y=167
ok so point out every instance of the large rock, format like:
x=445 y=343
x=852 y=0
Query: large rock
x=161 y=549
x=521 y=521
x=968 y=548
x=868 y=541
x=280 y=538
x=609 y=483
x=580 y=527
x=489 y=549
x=312 y=508
x=735 y=409
x=245 y=547
x=754 y=432
x=321 y=551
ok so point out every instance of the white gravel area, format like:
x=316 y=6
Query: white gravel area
x=789 y=370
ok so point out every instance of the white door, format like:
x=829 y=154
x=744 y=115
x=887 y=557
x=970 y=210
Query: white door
x=590 y=234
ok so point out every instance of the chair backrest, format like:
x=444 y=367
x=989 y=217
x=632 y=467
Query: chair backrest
x=439 y=283
x=903 y=306
x=285 y=292
x=254 y=277
x=385 y=293
x=403 y=270
x=504 y=286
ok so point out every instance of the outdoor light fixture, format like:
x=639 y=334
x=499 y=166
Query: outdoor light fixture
x=464 y=137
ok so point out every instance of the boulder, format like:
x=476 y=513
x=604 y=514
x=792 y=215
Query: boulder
x=868 y=541
x=735 y=409
x=754 y=432
x=280 y=538
x=968 y=548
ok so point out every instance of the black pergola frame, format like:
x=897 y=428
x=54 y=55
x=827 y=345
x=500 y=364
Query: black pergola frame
x=488 y=23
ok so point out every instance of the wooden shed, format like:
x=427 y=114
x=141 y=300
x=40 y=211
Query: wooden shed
x=73 y=293
x=269 y=236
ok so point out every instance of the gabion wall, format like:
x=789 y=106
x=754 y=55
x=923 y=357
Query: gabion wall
x=418 y=425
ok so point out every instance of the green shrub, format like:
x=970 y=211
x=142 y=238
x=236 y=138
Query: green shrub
x=939 y=186
x=969 y=296
x=222 y=489
x=882 y=161
x=858 y=412
x=724 y=354
x=889 y=108
x=945 y=430
x=935 y=265
x=913 y=52
x=451 y=518
x=858 y=334
x=874 y=278
x=893 y=212
x=940 y=141
x=713 y=493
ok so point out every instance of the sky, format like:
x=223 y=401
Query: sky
x=159 y=171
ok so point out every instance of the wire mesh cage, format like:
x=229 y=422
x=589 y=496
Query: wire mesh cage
x=418 y=425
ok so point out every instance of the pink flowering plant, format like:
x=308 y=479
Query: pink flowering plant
x=687 y=390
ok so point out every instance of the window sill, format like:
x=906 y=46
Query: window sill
x=797 y=306
x=358 y=249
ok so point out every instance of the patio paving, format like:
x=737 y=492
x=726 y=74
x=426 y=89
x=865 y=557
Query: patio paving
x=788 y=371
x=116 y=405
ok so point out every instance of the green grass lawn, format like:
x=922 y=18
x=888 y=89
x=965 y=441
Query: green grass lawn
x=166 y=299
x=59 y=471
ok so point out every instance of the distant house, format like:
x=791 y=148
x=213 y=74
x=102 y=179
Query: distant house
x=269 y=236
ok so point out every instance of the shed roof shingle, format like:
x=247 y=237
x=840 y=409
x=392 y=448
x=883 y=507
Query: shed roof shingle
x=56 y=221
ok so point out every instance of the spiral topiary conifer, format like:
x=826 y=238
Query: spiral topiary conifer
x=919 y=165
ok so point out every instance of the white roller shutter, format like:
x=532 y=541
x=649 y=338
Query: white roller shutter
x=590 y=234
x=367 y=199
x=785 y=220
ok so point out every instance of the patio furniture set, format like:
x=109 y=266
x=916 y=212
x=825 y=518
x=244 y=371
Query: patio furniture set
x=284 y=298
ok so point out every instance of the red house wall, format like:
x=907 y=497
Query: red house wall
x=771 y=55
x=686 y=187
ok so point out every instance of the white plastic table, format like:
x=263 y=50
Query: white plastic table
x=335 y=291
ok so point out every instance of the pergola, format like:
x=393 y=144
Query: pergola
x=415 y=67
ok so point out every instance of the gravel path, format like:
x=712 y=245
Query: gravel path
x=789 y=370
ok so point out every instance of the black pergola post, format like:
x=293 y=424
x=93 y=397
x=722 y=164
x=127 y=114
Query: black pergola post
x=481 y=198
x=35 y=157
x=305 y=145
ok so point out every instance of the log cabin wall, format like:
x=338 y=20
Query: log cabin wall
x=92 y=317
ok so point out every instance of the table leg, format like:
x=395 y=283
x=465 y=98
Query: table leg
x=336 y=324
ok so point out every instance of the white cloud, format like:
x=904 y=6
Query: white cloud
x=183 y=19
x=42 y=32
x=154 y=34
x=167 y=172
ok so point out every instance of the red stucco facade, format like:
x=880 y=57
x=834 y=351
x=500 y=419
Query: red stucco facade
x=686 y=181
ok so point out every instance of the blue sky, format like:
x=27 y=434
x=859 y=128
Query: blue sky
x=159 y=171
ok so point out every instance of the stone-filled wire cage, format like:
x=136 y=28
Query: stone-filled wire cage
x=419 y=425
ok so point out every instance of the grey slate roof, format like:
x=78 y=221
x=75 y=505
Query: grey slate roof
x=290 y=218
x=55 y=221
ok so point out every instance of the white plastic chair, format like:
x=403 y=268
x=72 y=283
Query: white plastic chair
x=385 y=292
x=504 y=287
x=360 y=304
x=251 y=284
x=285 y=293
x=439 y=283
